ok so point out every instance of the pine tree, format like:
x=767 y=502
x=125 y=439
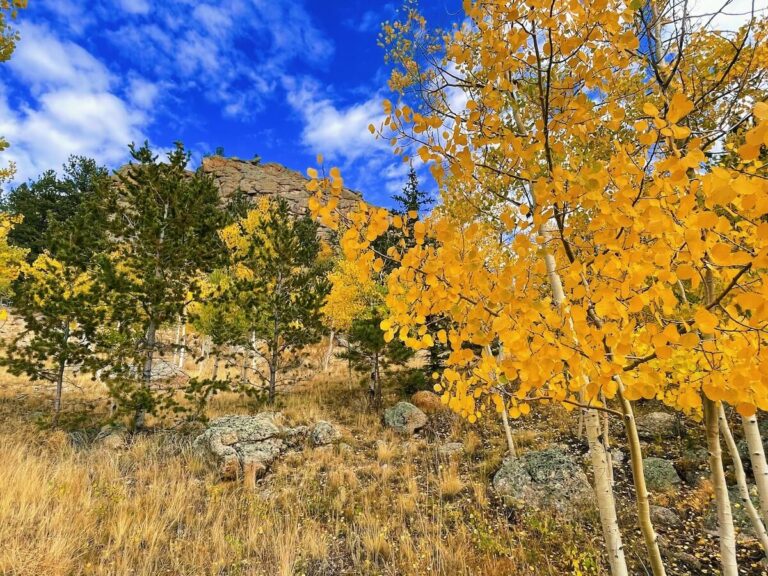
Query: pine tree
x=163 y=237
x=278 y=283
x=51 y=202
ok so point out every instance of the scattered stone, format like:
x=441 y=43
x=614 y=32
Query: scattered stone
x=617 y=457
x=548 y=479
x=428 y=402
x=112 y=436
x=655 y=425
x=405 y=418
x=451 y=449
x=660 y=475
x=324 y=433
x=246 y=446
x=665 y=517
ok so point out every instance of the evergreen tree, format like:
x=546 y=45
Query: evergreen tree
x=278 y=283
x=163 y=237
x=59 y=305
x=51 y=202
x=367 y=350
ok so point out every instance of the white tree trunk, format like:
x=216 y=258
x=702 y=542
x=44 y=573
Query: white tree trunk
x=329 y=351
x=725 y=528
x=604 y=492
x=757 y=457
x=183 y=348
x=741 y=480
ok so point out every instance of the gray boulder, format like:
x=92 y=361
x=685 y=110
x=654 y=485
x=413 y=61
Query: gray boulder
x=656 y=425
x=246 y=446
x=665 y=517
x=660 y=475
x=405 y=418
x=324 y=433
x=548 y=479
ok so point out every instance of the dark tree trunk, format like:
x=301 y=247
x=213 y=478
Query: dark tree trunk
x=146 y=376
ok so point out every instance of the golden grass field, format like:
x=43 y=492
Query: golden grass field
x=377 y=504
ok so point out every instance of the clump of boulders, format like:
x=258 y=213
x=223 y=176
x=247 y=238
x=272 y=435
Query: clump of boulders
x=246 y=446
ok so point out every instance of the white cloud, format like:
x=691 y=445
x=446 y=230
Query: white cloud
x=341 y=134
x=76 y=106
x=232 y=51
x=726 y=15
x=135 y=6
x=43 y=61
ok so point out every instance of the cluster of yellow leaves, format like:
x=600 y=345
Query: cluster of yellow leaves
x=568 y=162
x=55 y=281
x=11 y=257
x=353 y=296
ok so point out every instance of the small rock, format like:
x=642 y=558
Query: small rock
x=656 y=425
x=665 y=517
x=548 y=479
x=324 y=433
x=405 y=418
x=451 y=449
x=617 y=457
x=660 y=474
x=428 y=402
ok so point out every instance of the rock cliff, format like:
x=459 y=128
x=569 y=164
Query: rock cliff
x=257 y=180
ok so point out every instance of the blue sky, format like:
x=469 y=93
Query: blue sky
x=284 y=79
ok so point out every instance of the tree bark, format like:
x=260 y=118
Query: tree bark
x=641 y=490
x=183 y=348
x=507 y=429
x=604 y=492
x=741 y=480
x=60 y=374
x=724 y=515
x=329 y=351
x=146 y=376
x=757 y=457
x=600 y=461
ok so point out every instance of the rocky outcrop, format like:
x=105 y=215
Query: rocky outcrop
x=405 y=418
x=246 y=446
x=548 y=479
x=257 y=180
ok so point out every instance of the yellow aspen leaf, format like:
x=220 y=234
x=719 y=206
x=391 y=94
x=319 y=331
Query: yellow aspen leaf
x=650 y=109
x=319 y=159
x=746 y=410
x=689 y=340
x=761 y=110
x=705 y=321
x=685 y=272
x=721 y=254
x=679 y=107
x=312 y=172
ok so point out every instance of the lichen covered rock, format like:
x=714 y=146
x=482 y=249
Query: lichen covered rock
x=245 y=446
x=660 y=474
x=548 y=479
x=405 y=418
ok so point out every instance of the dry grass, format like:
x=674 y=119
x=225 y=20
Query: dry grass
x=364 y=507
